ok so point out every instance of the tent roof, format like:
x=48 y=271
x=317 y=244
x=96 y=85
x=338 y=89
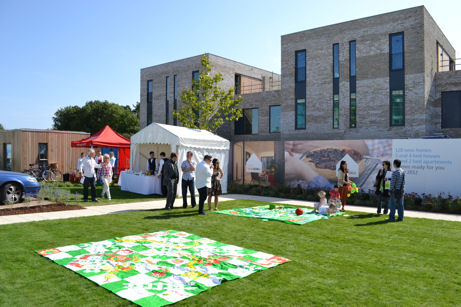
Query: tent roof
x=166 y=134
x=106 y=137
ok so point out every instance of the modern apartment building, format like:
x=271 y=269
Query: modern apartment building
x=387 y=76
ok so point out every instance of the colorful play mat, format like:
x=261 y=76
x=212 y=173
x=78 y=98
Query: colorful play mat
x=280 y=213
x=160 y=268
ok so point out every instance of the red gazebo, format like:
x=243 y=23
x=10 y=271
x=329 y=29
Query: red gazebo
x=106 y=138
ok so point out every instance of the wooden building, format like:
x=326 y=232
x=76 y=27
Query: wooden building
x=21 y=147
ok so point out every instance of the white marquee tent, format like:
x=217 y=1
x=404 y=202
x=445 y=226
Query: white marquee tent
x=159 y=137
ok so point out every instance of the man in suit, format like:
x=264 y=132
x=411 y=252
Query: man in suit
x=162 y=161
x=151 y=163
x=170 y=180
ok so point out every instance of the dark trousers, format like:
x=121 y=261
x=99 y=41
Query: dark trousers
x=188 y=184
x=172 y=186
x=203 y=195
x=400 y=207
x=343 y=191
x=89 y=181
x=383 y=197
x=164 y=188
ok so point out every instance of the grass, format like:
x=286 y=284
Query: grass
x=118 y=196
x=340 y=261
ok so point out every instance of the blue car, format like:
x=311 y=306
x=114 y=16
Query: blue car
x=15 y=186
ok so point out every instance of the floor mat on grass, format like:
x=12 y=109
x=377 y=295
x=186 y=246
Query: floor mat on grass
x=279 y=213
x=160 y=268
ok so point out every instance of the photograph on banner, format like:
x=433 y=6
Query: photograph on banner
x=432 y=166
x=254 y=163
x=314 y=164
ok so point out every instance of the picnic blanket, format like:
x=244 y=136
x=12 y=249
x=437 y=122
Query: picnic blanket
x=280 y=213
x=160 y=268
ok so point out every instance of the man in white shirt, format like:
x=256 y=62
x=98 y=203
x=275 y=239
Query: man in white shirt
x=203 y=172
x=188 y=177
x=87 y=169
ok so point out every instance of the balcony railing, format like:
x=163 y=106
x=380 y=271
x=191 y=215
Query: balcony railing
x=258 y=87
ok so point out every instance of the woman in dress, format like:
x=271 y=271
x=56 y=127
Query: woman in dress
x=343 y=182
x=215 y=190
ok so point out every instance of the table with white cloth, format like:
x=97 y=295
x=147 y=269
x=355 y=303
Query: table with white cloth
x=139 y=183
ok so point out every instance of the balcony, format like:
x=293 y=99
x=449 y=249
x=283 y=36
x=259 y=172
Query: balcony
x=245 y=85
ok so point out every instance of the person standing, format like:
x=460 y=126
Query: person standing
x=161 y=163
x=203 y=181
x=80 y=160
x=343 y=182
x=151 y=166
x=215 y=184
x=382 y=185
x=105 y=173
x=112 y=164
x=87 y=170
x=397 y=190
x=188 y=178
x=170 y=180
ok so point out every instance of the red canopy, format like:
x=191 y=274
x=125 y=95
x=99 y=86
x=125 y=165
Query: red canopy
x=106 y=137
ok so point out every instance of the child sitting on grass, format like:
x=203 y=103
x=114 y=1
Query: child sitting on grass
x=322 y=202
x=105 y=173
x=328 y=209
x=335 y=197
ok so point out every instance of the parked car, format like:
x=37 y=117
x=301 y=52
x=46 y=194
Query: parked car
x=15 y=186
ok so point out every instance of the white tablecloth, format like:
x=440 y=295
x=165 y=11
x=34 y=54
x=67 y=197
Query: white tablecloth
x=140 y=184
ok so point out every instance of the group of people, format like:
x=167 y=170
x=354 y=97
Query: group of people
x=94 y=166
x=389 y=187
x=328 y=206
x=206 y=176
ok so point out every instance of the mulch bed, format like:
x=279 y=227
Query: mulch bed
x=39 y=209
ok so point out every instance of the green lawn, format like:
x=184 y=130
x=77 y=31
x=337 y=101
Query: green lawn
x=118 y=196
x=343 y=260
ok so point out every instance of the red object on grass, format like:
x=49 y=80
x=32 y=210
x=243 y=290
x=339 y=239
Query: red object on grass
x=299 y=211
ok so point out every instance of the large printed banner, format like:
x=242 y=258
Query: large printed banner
x=431 y=165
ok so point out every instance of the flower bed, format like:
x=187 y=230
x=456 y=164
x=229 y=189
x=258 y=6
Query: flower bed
x=413 y=201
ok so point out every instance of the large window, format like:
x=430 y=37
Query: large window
x=300 y=70
x=300 y=89
x=335 y=86
x=444 y=62
x=335 y=60
x=301 y=114
x=175 y=98
x=248 y=123
x=451 y=109
x=353 y=111
x=7 y=157
x=167 y=100
x=396 y=51
x=149 y=102
x=352 y=85
x=335 y=111
x=195 y=76
x=397 y=108
x=274 y=119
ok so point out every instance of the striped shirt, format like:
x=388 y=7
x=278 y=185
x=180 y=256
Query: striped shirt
x=398 y=180
x=106 y=170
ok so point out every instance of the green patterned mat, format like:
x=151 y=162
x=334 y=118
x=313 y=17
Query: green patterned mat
x=160 y=268
x=280 y=213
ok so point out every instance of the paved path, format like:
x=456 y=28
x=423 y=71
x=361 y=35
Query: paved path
x=159 y=204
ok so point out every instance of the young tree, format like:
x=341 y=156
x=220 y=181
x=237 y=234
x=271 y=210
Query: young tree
x=1 y=127
x=207 y=106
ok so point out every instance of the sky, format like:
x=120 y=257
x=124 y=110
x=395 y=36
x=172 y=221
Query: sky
x=55 y=54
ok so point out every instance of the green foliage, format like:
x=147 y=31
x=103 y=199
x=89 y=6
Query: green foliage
x=95 y=115
x=2 y=128
x=207 y=106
